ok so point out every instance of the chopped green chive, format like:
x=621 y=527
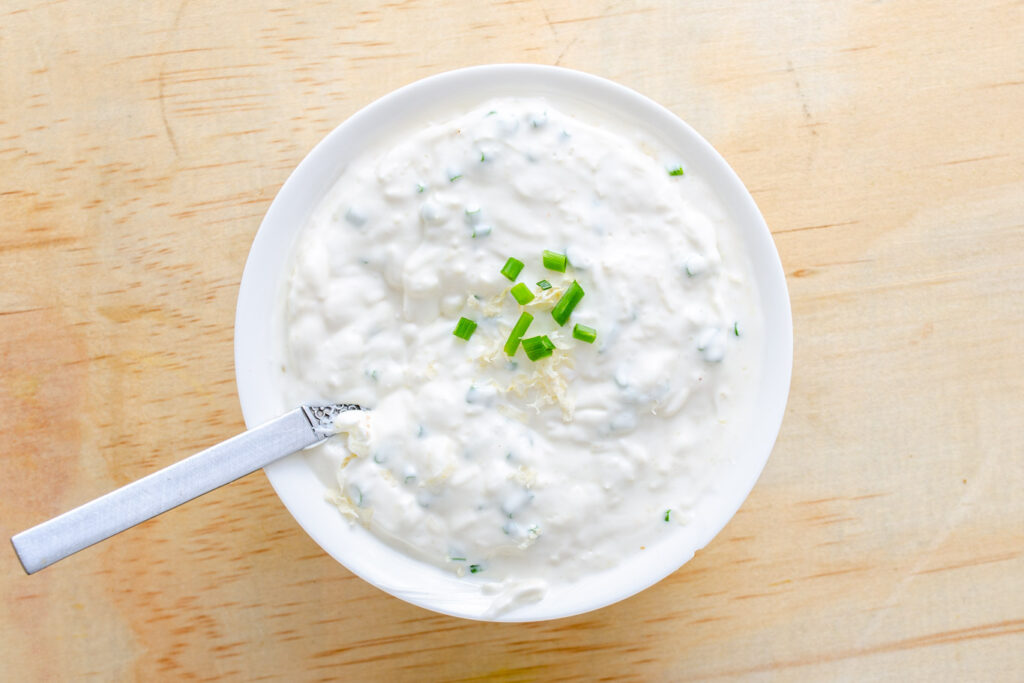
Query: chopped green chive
x=456 y=559
x=563 y=309
x=538 y=347
x=678 y=170
x=474 y=568
x=584 y=333
x=667 y=514
x=512 y=268
x=464 y=328
x=517 y=333
x=522 y=294
x=481 y=230
x=555 y=261
x=453 y=177
x=544 y=284
x=482 y=157
x=736 y=328
x=420 y=187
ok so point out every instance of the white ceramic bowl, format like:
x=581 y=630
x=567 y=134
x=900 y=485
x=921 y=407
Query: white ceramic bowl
x=256 y=343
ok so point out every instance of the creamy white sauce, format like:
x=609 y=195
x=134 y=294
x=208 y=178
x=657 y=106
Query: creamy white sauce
x=513 y=473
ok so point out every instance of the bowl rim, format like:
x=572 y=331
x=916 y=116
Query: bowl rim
x=279 y=227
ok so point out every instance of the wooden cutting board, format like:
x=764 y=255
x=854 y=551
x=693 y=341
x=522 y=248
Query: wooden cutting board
x=140 y=144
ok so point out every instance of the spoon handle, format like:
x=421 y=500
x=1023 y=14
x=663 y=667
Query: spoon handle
x=53 y=540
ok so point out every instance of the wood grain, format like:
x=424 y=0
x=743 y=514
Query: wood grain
x=140 y=144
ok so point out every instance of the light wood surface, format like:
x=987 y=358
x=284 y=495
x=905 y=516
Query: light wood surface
x=140 y=144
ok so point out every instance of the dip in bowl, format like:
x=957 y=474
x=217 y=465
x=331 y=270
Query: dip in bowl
x=506 y=471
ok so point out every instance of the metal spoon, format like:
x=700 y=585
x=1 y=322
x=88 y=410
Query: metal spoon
x=46 y=543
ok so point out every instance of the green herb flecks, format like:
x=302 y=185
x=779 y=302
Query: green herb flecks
x=563 y=309
x=464 y=329
x=538 y=347
x=554 y=261
x=677 y=171
x=517 y=333
x=584 y=333
x=522 y=294
x=512 y=268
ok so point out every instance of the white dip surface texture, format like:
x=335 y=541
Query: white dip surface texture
x=515 y=473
